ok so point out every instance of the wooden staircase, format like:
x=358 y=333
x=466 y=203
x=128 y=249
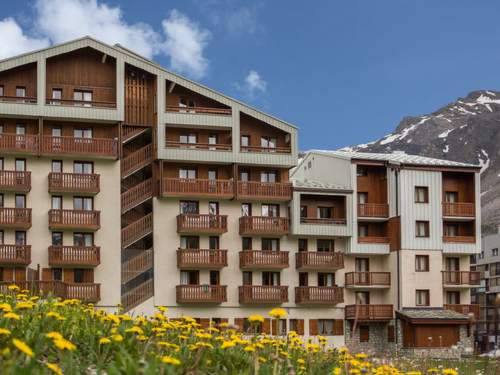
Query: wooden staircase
x=136 y=265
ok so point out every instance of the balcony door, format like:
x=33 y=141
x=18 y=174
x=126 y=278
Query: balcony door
x=190 y=278
x=362 y=298
x=20 y=201
x=83 y=239
x=188 y=173
x=268 y=176
x=20 y=165
x=271 y=278
x=362 y=198
x=57 y=202
x=326 y=279
x=20 y=136
x=83 y=167
x=270 y=210
x=453 y=298
x=362 y=266
x=270 y=244
x=189 y=207
x=451 y=197
x=20 y=237
x=452 y=264
x=451 y=230
x=325 y=245
x=190 y=242
x=83 y=203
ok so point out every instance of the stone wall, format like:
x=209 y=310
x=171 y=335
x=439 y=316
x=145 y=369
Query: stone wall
x=377 y=343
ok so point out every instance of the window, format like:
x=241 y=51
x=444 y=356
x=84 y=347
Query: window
x=20 y=237
x=362 y=265
x=244 y=176
x=56 y=96
x=214 y=278
x=268 y=142
x=453 y=298
x=187 y=173
x=325 y=212
x=271 y=278
x=20 y=165
x=246 y=243
x=422 y=297
x=303 y=212
x=213 y=242
x=270 y=244
x=281 y=327
x=326 y=279
x=451 y=230
x=21 y=91
x=361 y=171
x=362 y=230
x=325 y=245
x=20 y=129
x=83 y=167
x=57 y=202
x=56 y=132
x=190 y=277
x=83 y=239
x=57 y=166
x=303 y=279
x=213 y=208
x=190 y=242
x=212 y=174
x=451 y=196
x=189 y=207
x=82 y=98
x=421 y=229
x=302 y=244
x=452 y=264
x=57 y=274
x=83 y=133
x=268 y=176
x=297 y=325
x=57 y=238
x=325 y=327
x=494 y=252
x=362 y=198
x=83 y=203
x=362 y=298
x=1 y=91
x=185 y=103
x=212 y=141
x=270 y=210
x=364 y=333
x=245 y=141
x=421 y=194
x=20 y=201
x=79 y=275
x=421 y=263
x=247 y=278
x=187 y=139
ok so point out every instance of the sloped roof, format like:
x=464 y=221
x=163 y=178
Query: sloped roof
x=318 y=185
x=431 y=314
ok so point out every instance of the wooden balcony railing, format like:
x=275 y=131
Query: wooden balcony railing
x=80 y=103
x=74 y=183
x=265 y=190
x=19 y=99
x=201 y=223
x=17 y=143
x=137 y=230
x=74 y=219
x=373 y=210
x=256 y=225
x=369 y=312
x=200 y=146
x=373 y=239
x=136 y=160
x=74 y=256
x=320 y=260
x=136 y=265
x=269 y=260
x=319 y=295
x=202 y=110
x=86 y=292
x=372 y=279
x=459 y=239
x=15 y=217
x=461 y=278
x=464 y=309
x=267 y=150
x=263 y=294
x=15 y=181
x=201 y=294
x=190 y=187
x=201 y=258
x=89 y=147
x=459 y=209
x=137 y=295
x=323 y=221
x=137 y=194
x=15 y=254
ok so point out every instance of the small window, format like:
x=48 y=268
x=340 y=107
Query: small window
x=212 y=174
x=21 y=91
x=247 y=278
x=56 y=96
x=421 y=263
x=213 y=242
x=422 y=297
x=325 y=212
x=189 y=207
x=246 y=243
x=82 y=98
x=494 y=252
x=1 y=91
x=362 y=230
x=57 y=238
x=82 y=133
x=268 y=176
x=20 y=237
x=303 y=212
x=270 y=210
x=325 y=327
x=364 y=333
x=361 y=171
x=302 y=244
x=268 y=142
x=422 y=229
x=83 y=167
x=83 y=203
x=190 y=173
x=20 y=165
x=245 y=141
x=190 y=139
x=79 y=275
x=421 y=194
x=57 y=166
x=83 y=239
x=20 y=201
x=325 y=245
x=190 y=242
x=57 y=202
x=303 y=279
x=244 y=176
x=57 y=274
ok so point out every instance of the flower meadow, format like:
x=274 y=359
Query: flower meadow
x=48 y=335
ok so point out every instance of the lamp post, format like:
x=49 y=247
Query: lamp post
x=496 y=302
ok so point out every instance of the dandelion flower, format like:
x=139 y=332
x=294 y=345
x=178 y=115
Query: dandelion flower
x=55 y=368
x=104 y=341
x=54 y=335
x=23 y=347
x=13 y=287
x=4 y=331
x=117 y=338
x=278 y=313
x=11 y=315
x=64 y=344
x=256 y=318
x=170 y=360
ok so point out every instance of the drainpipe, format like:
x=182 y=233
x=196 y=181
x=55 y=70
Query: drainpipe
x=396 y=178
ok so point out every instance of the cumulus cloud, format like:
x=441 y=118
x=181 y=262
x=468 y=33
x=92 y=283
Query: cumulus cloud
x=252 y=85
x=57 y=21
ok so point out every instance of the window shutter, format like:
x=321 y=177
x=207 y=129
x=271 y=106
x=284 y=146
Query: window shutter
x=313 y=327
x=266 y=326
x=20 y=274
x=8 y=274
x=364 y=333
x=338 y=327
x=88 y=275
x=68 y=275
x=205 y=323
x=46 y=274
x=274 y=327
x=390 y=334
x=238 y=322
x=300 y=326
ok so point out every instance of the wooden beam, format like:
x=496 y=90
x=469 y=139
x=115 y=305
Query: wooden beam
x=171 y=87
x=104 y=58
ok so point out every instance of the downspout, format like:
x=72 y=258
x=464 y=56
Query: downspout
x=396 y=177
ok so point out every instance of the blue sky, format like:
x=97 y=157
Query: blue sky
x=344 y=72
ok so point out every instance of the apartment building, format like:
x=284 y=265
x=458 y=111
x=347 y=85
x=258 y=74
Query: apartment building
x=487 y=294
x=122 y=183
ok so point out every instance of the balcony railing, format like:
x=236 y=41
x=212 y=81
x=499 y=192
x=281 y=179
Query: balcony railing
x=136 y=265
x=319 y=295
x=201 y=223
x=187 y=187
x=369 y=312
x=264 y=190
x=201 y=258
x=201 y=294
x=17 y=143
x=137 y=230
x=86 y=292
x=373 y=210
x=318 y=261
x=263 y=294
x=256 y=225
x=202 y=110
x=137 y=195
x=373 y=239
x=73 y=183
x=459 y=239
x=80 y=103
x=323 y=221
x=267 y=150
x=74 y=256
x=459 y=209
x=200 y=146
x=371 y=279
x=19 y=99
x=15 y=254
x=15 y=217
x=136 y=160
x=464 y=309
x=135 y=296
x=74 y=219
x=89 y=147
x=269 y=260
x=15 y=181
x=461 y=277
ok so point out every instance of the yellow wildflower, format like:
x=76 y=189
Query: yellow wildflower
x=449 y=371
x=163 y=309
x=170 y=360
x=5 y=307
x=11 y=315
x=104 y=341
x=117 y=338
x=135 y=329
x=55 y=368
x=64 y=344
x=227 y=344
x=4 y=331
x=54 y=335
x=23 y=347
x=249 y=348
x=278 y=313
x=13 y=287
x=256 y=318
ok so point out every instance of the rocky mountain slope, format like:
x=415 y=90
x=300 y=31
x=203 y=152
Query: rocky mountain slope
x=466 y=130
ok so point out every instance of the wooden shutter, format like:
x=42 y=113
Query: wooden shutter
x=300 y=326
x=313 y=327
x=8 y=274
x=274 y=327
x=20 y=274
x=338 y=327
x=390 y=333
x=266 y=326
x=364 y=333
x=88 y=275
x=46 y=274
x=239 y=323
x=205 y=323
x=68 y=275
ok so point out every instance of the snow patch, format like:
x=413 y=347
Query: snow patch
x=483 y=99
x=446 y=149
x=445 y=133
x=484 y=163
x=402 y=135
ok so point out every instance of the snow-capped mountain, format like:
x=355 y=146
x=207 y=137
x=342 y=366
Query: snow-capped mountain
x=467 y=130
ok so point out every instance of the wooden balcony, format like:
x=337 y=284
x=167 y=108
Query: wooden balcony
x=459 y=239
x=19 y=99
x=323 y=221
x=88 y=292
x=137 y=230
x=319 y=295
x=201 y=223
x=212 y=294
x=263 y=260
x=369 y=312
x=464 y=309
x=368 y=279
x=88 y=147
x=200 y=146
x=191 y=187
x=136 y=265
x=80 y=103
x=136 y=160
x=373 y=239
x=19 y=144
x=460 y=209
x=74 y=256
x=137 y=195
x=201 y=259
x=74 y=219
x=135 y=296
x=17 y=218
x=73 y=183
x=254 y=190
x=85 y=292
x=200 y=110
x=266 y=150
x=468 y=278
x=262 y=225
x=373 y=210
x=15 y=255
x=263 y=294
x=319 y=261
x=15 y=181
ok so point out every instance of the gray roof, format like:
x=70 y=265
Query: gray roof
x=396 y=158
x=314 y=184
x=432 y=314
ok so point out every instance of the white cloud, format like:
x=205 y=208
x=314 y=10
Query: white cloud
x=252 y=86
x=185 y=42
x=15 y=42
